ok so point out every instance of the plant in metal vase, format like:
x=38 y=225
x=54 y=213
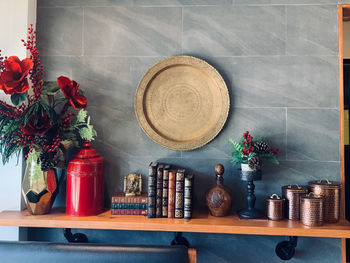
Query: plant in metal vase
x=44 y=120
x=249 y=154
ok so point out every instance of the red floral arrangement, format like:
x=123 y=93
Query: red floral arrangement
x=248 y=151
x=40 y=122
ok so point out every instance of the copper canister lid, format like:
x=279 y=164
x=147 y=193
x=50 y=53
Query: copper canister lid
x=312 y=197
x=275 y=198
x=326 y=184
x=295 y=188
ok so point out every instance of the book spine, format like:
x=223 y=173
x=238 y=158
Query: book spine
x=179 y=194
x=129 y=206
x=188 y=197
x=165 y=191
x=171 y=194
x=130 y=199
x=152 y=184
x=128 y=212
x=159 y=199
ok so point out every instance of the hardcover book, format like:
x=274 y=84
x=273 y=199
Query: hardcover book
x=171 y=194
x=121 y=198
x=129 y=206
x=159 y=194
x=179 y=193
x=128 y=212
x=188 y=197
x=152 y=188
x=165 y=191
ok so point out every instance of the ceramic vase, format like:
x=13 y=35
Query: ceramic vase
x=39 y=188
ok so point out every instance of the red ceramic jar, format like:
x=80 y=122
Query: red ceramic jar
x=85 y=183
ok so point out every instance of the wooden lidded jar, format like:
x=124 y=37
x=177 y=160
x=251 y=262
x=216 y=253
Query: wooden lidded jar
x=292 y=195
x=330 y=191
x=311 y=210
x=274 y=207
x=219 y=197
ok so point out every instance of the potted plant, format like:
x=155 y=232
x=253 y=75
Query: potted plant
x=44 y=121
x=249 y=154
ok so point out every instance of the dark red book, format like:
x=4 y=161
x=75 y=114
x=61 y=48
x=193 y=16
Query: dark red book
x=165 y=191
x=120 y=198
x=128 y=212
x=171 y=194
x=159 y=195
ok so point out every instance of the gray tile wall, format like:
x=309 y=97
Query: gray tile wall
x=279 y=60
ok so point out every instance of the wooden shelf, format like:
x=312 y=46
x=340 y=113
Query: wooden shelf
x=201 y=223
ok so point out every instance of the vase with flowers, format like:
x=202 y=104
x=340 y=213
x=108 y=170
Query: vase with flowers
x=249 y=154
x=44 y=120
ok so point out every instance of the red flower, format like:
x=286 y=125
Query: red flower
x=70 y=90
x=41 y=126
x=13 y=79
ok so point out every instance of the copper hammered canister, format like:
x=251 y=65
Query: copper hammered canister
x=292 y=195
x=330 y=191
x=311 y=209
x=274 y=207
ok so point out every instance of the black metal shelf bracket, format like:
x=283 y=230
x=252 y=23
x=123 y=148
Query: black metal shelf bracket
x=74 y=238
x=180 y=240
x=285 y=250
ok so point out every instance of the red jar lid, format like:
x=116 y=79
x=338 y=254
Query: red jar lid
x=86 y=152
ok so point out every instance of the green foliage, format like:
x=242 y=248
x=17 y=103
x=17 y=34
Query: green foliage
x=18 y=98
x=269 y=156
x=237 y=157
x=50 y=88
x=81 y=116
x=81 y=129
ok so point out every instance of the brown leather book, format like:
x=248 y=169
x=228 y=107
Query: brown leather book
x=120 y=198
x=165 y=191
x=171 y=194
x=159 y=198
x=179 y=193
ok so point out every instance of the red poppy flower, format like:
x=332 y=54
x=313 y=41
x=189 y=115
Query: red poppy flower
x=70 y=90
x=13 y=79
x=41 y=126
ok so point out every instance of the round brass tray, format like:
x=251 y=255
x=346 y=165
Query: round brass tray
x=182 y=103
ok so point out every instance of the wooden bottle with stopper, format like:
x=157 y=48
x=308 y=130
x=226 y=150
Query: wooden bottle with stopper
x=219 y=197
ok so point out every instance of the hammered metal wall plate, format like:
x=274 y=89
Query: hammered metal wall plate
x=182 y=103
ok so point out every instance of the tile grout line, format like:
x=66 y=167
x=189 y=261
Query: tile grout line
x=214 y=5
x=285 y=30
x=182 y=29
x=82 y=34
x=286 y=154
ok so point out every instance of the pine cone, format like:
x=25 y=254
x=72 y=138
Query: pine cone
x=261 y=147
x=41 y=140
x=46 y=163
x=254 y=163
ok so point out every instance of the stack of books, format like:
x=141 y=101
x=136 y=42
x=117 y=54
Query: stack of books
x=129 y=205
x=169 y=192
